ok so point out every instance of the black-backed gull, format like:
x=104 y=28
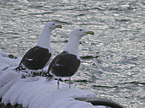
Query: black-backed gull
x=39 y=56
x=67 y=63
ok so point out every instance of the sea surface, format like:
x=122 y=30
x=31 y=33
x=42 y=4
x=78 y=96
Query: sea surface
x=113 y=60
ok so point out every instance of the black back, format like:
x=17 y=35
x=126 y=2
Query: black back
x=64 y=65
x=36 y=58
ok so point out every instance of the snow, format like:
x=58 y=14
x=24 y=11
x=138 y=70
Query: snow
x=37 y=92
x=2 y=53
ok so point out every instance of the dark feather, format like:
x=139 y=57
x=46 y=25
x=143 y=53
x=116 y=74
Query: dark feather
x=36 y=58
x=64 y=65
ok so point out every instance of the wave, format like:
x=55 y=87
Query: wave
x=88 y=57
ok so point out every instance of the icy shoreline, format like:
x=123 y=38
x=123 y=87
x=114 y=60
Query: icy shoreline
x=36 y=92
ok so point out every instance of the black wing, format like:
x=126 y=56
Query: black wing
x=64 y=65
x=36 y=58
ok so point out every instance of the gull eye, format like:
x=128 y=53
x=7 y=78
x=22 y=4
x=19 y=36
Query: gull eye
x=80 y=29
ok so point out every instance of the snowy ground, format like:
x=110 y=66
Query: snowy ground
x=37 y=92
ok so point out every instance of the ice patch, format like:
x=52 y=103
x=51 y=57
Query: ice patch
x=2 y=53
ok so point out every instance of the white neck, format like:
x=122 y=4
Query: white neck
x=44 y=39
x=72 y=45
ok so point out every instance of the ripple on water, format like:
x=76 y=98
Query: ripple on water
x=117 y=71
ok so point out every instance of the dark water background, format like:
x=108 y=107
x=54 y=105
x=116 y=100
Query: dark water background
x=113 y=61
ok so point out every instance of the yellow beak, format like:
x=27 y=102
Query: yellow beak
x=58 y=26
x=90 y=32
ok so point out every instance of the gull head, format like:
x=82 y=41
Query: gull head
x=80 y=32
x=52 y=25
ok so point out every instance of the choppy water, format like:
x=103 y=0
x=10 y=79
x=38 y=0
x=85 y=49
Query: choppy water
x=115 y=66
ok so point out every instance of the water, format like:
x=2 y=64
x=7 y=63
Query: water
x=113 y=61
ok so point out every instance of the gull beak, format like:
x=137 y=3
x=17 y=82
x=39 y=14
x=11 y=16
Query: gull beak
x=58 y=26
x=90 y=32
